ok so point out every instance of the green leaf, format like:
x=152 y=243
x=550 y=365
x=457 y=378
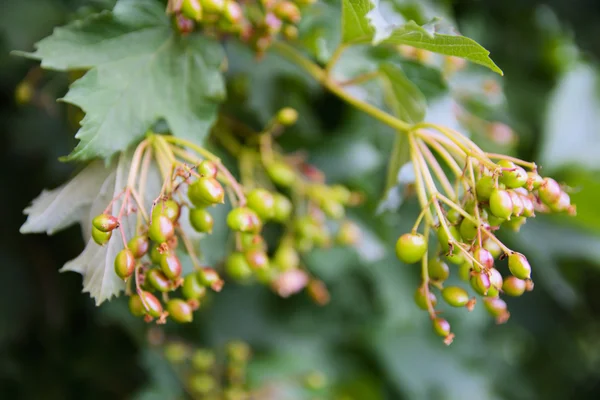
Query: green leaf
x=140 y=72
x=402 y=96
x=362 y=23
x=320 y=30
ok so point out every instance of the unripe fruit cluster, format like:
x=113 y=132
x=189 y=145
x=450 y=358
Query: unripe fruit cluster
x=256 y=23
x=503 y=197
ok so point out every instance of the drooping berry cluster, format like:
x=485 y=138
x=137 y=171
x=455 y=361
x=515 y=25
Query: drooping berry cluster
x=484 y=197
x=196 y=185
x=208 y=374
x=257 y=23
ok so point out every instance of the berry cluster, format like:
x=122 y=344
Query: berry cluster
x=196 y=185
x=484 y=197
x=207 y=374
x=257 y=23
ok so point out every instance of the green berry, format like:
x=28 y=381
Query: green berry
x=411 y=247
x=154 y=307
x=286 y=257
x=549 y=191
x=139 y=246
x=257 y=259
x=203 y=360
x=237 y=267
x=438 y=270
x=100 y=237
x=124 y=264
x=192 y=9
x=493 y=247
x=501 y=204
x=515 y=223
x=168 y=208
x=282 y=208
x=534 y=180
x=155 y=254
x=192 y=289
x=513 y=176
x=158 y=280
x=420 y=298
x=287 y=11
x=238 y=351
x=243 y=219
x=468 y=230
x=262 y=202
x=514 y=286
x=517 y=203
x=252 y=241
x=136 y=308
x=495 y=221
x=287 y=116
x=464 y=271
x=213 y=6
x=306 y=228
x=563 y=203
x=206 y=191
x=332 y=208
x=455 y=296
x=340 y=194
x=180 y=311
x=528 y=207
x=201 y=220
x=201 y=383
x=161 y=229
x=444 y=239
x=210 y=277
x=105 y=222
x=495 y=306
x=519 y=266
x=281 y=173
x=208 y=169
x=233 y=12
x=170 y=265
x=496 y=282
x=441 y=327
x=456 y=258
x=175 y=352
x=484 y=187
x=484 y=257
x=453 y=216
x=480 y=282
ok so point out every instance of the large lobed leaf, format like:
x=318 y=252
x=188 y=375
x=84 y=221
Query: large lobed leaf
x=140 y=72
x=363 y=23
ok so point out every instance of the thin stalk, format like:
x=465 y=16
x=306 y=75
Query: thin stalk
x=437 y=169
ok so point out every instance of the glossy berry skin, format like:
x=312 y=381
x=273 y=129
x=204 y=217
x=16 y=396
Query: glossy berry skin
x=243 y=219
x=287 y=116
x=158 y=280
x=484 y=257
x=468 y=230
x=233 y=13
x=286 y=257
x=139 y=246
x=237 y=267
x=493 y=248
x=549 y=191
x=420 y=298
x=257 y=259
x=514 y=286
x=213 y=6
x=170 y=265
x=205 y=192
x=480 y=282
x=287 y=11
x=453 y=216
x=105 y=222
x=515 y=178
x=155 y=309
x=563 y=203
x=519 y=266
x=517 y=203
x=208 y=169
x=168 y=208
x=438 y=270
x=155 y=255
x=411 y=247
x=209 y=277
x=484 y=187
x=136 y=307
x=455 y=296
x=528 y=207
x=262 y=202
x=501 y=204
x=192 y=9
x=192 y=289
x=100 y=237
x=281 y=173
x=441 y=327
x=495 y=306
x=282 y=208
x=496 y=282
x=464 y=271
x=124 y=264
x=201 y=220
x=180 y=311
x=444 y=239
x=161 y=229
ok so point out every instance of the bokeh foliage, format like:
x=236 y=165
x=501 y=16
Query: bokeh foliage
x=371 y=340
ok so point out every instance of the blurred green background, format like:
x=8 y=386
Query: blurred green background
x=371 y=340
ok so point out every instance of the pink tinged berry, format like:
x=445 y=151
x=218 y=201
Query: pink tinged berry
x=501 y=204
x=495 y=306
x=207 y=169
x=480 y=282
x=206 y=191
x=139 y=246
x=411 y=247
x=495 y=282
x=170 y=265
x=154 y=307
x=519 y=266
x=257 y=259
x=484 y=257
x=549 y=191
x=421 y=299
x=124 y=264
x=438 y=270
x=512 y=176
x=517 y=202
x=105 y=222
x=514 y=286
x=210 y=277
x=158 y=280
x=563 y=203
x=441 y=327
x=455 y=296
x=528 y=207
x=180 y=311
x=243 y=219
x=161 y=229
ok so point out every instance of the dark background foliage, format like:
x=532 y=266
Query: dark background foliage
x=371 y=340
